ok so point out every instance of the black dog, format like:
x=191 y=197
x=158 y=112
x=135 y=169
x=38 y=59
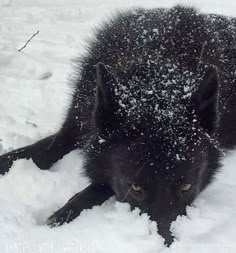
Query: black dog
x=153 y=110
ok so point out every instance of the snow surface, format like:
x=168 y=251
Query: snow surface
x=34 y=93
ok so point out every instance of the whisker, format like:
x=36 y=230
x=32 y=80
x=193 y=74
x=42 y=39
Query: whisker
x=127 y=193
x=201 y=54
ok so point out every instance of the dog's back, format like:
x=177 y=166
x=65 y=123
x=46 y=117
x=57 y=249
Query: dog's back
x=179 y=36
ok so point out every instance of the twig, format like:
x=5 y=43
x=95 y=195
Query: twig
x=28 y=41
x=31 y=123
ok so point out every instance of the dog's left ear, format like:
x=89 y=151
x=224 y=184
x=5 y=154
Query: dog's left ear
x=206 y=100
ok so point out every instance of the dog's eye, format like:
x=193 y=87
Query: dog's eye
x=136 y=187
x=185 y=187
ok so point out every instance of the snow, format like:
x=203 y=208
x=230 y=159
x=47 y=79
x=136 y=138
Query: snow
x=34 y=94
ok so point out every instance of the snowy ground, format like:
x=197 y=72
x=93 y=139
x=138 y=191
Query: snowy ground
x=34 y=90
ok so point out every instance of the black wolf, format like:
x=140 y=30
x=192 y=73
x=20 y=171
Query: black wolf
x=153 y=110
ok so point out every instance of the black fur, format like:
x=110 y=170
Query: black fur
x=154 y=106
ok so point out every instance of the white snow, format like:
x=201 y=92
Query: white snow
x=34 y=93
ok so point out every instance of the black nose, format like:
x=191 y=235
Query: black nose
x=169 y=238
x=164 y=231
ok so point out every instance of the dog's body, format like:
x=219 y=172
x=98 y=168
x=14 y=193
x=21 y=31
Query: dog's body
x=153 y=110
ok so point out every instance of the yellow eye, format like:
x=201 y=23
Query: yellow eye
x=185 y=187
x=137 y=188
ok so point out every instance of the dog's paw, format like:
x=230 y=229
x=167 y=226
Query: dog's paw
x=6 y=162
x=63 y=215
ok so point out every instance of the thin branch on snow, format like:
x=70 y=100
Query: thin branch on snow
x=31 y=123
x=28 y=41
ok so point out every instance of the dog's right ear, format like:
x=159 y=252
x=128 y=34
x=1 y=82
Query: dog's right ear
x=104 y=105
x=103 y=91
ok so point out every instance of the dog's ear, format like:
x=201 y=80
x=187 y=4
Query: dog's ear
x=206 y=100
x=104 y=104
x=103 y=90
